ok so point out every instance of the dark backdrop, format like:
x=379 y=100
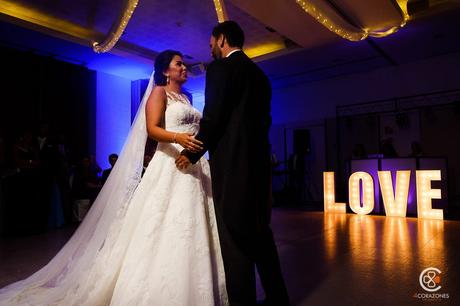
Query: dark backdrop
x=36 y=89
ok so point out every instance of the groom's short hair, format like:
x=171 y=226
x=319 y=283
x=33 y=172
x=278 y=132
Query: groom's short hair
x=232 y=32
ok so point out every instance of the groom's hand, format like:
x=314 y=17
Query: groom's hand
x=188 y=142
x=182 y=162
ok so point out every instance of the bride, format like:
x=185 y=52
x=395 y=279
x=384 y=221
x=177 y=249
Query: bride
x=144 y=242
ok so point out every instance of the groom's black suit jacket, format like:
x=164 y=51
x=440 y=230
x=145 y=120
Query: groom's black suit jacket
x=234 y=128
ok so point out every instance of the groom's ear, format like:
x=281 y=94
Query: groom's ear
x=223 y=40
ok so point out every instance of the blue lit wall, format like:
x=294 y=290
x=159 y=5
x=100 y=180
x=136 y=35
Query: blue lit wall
x=195 y=85
x=113 y=115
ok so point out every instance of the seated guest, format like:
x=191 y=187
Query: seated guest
x=85 y=186
x=93 y=165
x=25 y=193
x=25 y=154
x=85 y=183
x=43 y=136
x=112 y=160
x=387 y=148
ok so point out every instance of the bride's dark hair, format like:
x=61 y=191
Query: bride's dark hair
x=162 y=62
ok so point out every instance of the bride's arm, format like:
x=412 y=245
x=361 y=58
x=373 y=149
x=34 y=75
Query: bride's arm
x=154 y=115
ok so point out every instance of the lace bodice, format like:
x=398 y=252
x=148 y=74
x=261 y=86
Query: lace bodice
x=180 y=115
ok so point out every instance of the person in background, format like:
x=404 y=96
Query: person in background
x=86 y=184
x=387 y=148
x=112 y=160
x=43 y=136
x=25 y=155
x=28 y=195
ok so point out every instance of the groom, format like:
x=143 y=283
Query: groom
x=234 y=128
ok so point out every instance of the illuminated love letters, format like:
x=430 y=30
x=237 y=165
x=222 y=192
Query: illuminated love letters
x=361 y=193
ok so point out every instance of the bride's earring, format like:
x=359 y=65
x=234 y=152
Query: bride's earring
x=167 y=79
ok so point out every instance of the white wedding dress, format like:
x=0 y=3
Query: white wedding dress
x=161 y=248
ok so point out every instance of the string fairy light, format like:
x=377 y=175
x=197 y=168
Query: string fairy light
x=353 y=33
x=329 y=24
x=118 y=30
x=220 y=10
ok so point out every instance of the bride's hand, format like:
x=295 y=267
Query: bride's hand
x=182 y=162
x=188 y=142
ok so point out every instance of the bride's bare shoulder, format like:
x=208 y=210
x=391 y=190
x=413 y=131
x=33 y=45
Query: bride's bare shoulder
x=159 y=91
x=158 y=94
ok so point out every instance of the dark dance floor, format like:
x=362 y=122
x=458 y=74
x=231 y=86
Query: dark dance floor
x=326 y=259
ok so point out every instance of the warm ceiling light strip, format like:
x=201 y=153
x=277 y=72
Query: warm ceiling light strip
x=264 y=48
x=312 y=10
x=117 y=29
x=41 y=19
x=220 y=10
x=352 y=33
x=403 y=6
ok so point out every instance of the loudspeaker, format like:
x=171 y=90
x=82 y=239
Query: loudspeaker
x=302 y=141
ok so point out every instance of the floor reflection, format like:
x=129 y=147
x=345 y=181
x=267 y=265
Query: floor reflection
x=327 y=259
x=365 y=259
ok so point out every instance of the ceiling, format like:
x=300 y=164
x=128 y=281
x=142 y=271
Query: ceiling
x=289 y=44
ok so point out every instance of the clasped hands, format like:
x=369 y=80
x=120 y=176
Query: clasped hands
x=189 y=143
